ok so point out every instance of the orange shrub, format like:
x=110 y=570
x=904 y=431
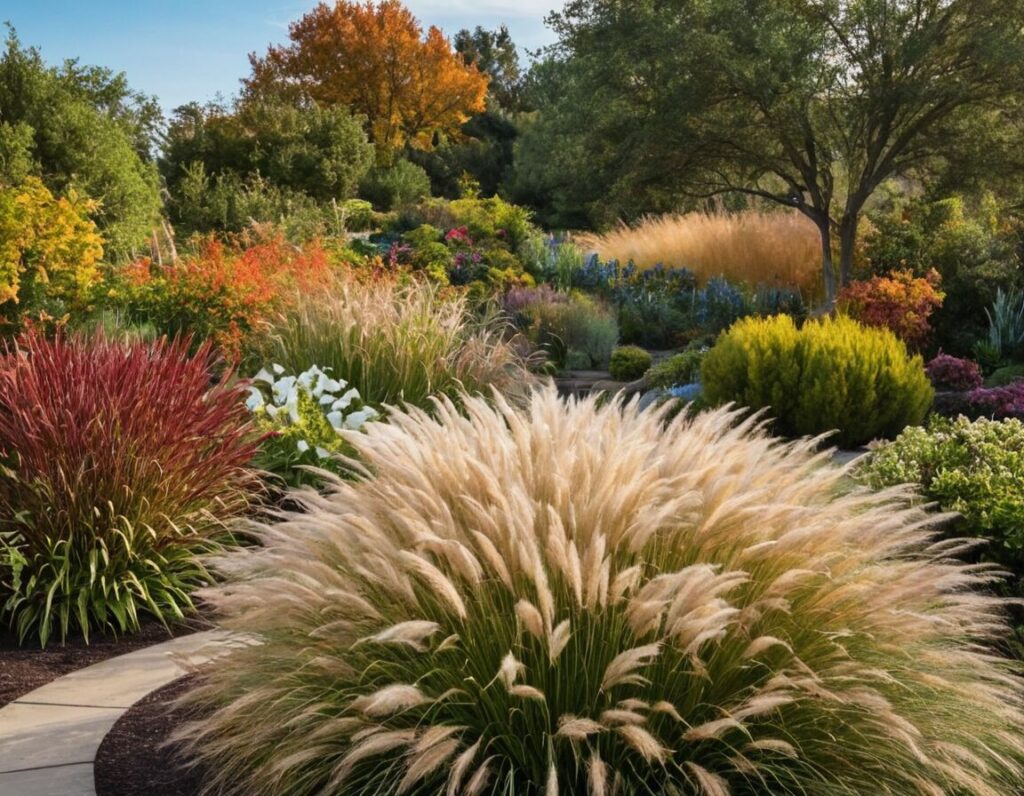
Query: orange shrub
x=222 y=293
x=899 y=302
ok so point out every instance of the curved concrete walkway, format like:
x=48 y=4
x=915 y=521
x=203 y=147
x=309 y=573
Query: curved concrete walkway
x=50 y=736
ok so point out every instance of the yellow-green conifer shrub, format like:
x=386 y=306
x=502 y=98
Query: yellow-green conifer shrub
x=578 y=598
x=833 y=374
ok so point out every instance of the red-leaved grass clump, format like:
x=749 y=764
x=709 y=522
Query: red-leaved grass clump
x=118 y=463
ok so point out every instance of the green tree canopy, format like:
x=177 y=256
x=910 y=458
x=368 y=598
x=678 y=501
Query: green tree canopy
x=81 y=127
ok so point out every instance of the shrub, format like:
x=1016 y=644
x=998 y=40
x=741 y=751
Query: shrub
x=973 y=468
x=777 y=249
x=302 y=417
x=580 y=324
x=952 y=373
x=999 y=402
x=678 y=370
x=120 y=463
x=899 y=302
x=1006 y=323
x=396 y=343
x=629 y=363
x=720 y=304
x=1005 y=376
x=576 y=598
x=49 y=251
x=396 y=186
x=832 y=374
x=222 y=293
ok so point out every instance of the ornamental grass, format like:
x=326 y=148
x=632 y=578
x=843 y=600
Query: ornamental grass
x=584 y=598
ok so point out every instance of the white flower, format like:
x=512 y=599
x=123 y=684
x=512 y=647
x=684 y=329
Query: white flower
x=283 y=389
x=323 y=453
x=292 y=404
x=264 y=375
x=255 y=399
x=357 y=420
x=326 y=399
x=346 y=399
x=302 y=445
x=272 y=410
x=277 y=369
x=335 y=419
x=325 y=384
x=306 y=379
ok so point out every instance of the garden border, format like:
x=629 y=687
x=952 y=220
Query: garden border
x=49 y=737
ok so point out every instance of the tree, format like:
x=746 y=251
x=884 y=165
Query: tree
x=808 y=103
x=81 y=128
x=375 y=59
x=494 y=54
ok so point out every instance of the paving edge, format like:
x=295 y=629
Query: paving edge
x=49 y=737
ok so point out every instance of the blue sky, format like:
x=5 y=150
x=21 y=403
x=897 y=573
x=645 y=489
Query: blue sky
x=182 y=50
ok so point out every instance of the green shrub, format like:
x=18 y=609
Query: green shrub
x=575 y=597
x=975 y=468
x=580 y=323
x=1005 y=375
x=396 y=186
x=832 y=374
x=679 y=369
x=629 y=363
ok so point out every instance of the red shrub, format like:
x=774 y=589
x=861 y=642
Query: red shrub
x=899 y=302
x=953 y=373
x=1000 y=402
x=121 y=459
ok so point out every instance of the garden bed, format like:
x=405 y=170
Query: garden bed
x=27 y=668
x=134 y=759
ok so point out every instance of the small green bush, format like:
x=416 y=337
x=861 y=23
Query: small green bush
x=629 y=363
x=1005 y=375
x=832 y=374
x=581 y=323
x=975 y=468
x=392 y=187
x=679 y=369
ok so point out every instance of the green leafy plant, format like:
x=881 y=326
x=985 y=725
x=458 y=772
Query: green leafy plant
x=579 y=598
x=830 y=375
x=677 y=370
x=629 y=363
x=302 y=418
x=559 y=324
x=974 y=468
x=119 y=464
x=1006 y=322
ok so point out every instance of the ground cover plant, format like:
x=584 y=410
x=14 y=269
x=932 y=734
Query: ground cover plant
x=118 y=465
x=575 y=598
x=830 y=375
x=974 y=468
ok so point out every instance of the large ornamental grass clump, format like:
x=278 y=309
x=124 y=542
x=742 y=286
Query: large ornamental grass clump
x=118 y=464
x=574 y=598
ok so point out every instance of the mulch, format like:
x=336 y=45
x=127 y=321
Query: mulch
x=25 y=668
x=134 y=760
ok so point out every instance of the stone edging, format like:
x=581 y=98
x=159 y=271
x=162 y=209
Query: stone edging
x=49 y=737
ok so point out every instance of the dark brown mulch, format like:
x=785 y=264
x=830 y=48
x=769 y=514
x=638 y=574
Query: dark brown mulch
x=28 y=667
x=133 y=760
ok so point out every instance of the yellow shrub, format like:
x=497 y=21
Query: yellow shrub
x=49 y=247
x=833 y=374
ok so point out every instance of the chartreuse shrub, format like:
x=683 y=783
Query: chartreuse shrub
x=118 y=464
x=974 y=468
x=302 y=417
x=629 y=362
x=831 y=374
x=580 y=598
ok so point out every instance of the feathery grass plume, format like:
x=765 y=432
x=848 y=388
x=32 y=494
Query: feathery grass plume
x=396 y=342
x=778 y=248
x=732 y=616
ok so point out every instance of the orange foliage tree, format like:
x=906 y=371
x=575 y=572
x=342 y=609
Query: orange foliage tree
x=375 y=59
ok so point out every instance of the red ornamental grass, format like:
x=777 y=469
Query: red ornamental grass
x=122 y=461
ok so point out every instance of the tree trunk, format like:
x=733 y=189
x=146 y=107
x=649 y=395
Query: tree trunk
x=847 y=247
x=827 y=268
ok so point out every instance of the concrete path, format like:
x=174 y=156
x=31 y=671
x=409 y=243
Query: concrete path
x=50 y=736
